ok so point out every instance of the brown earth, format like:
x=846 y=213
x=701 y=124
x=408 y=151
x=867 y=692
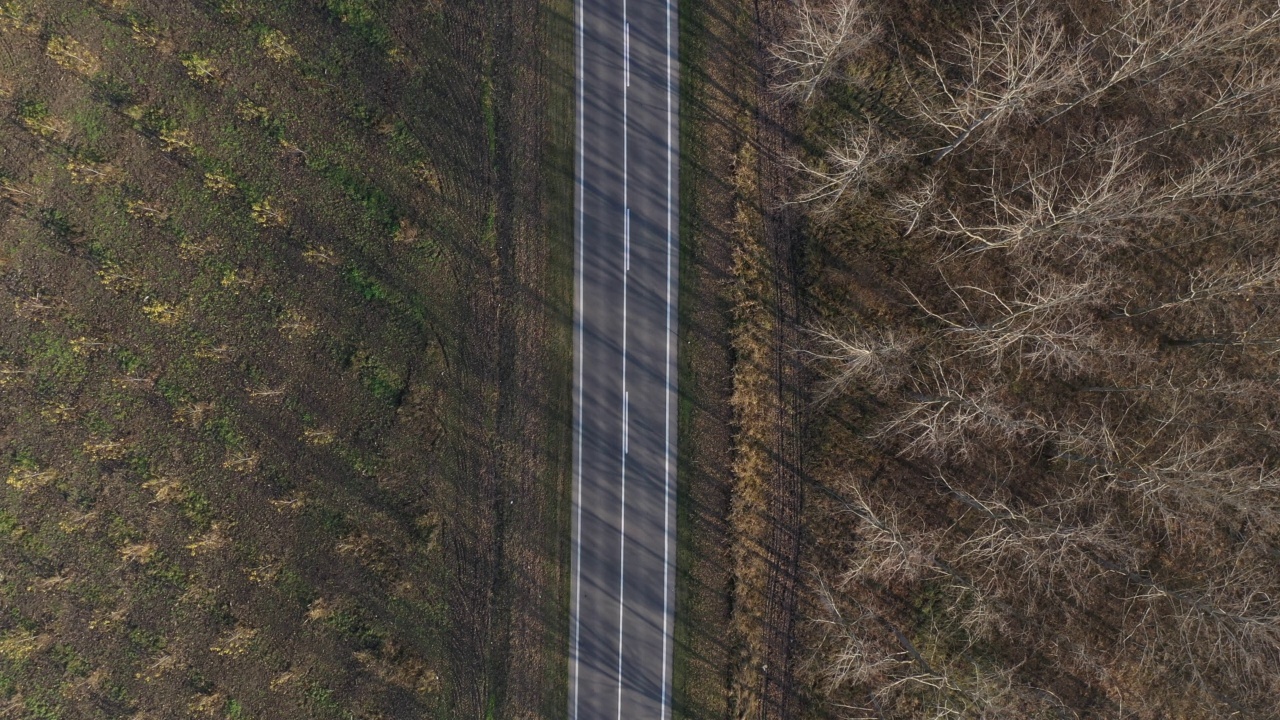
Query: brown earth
x=285 y=374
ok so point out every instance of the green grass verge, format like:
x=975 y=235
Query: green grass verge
x=698 y=682
x=562 y=114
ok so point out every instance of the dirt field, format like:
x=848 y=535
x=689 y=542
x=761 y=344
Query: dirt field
x=284 y=358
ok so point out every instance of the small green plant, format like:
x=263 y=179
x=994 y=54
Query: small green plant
x=200 y=68
x=57 y=223
x=197 y=509
x=147 y=210
x=73 y=55
x=145 y=31
x=248 y=110
x=112 y=90
x=36 y=117
x=322 y=698
x=367 y=285
x=268 y=213
x=162 y=313
x=146 y=639
x=42 y=709
x=219 y=183
x=71 y=661
x=13 y=16
x=294 y=324
x=176 y=139
x=167 y=571
x=361 y=17
x=8 y=523
x=88 y=173
x=115 y=278
x=26 y=474
x=276 y=45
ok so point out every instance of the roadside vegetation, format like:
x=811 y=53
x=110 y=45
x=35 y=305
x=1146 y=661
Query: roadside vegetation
x=706 y=646
x=740 y=383
x=283 y=358
x=1041 y=270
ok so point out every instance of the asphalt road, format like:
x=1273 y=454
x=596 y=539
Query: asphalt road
x=625 y=353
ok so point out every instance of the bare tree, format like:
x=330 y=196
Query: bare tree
x=822 y=35
x=861 y=160
x=868 y=652
x=1033 y=557
x=1016 y=63
x=848 y=358
x=1238 y=171
x=1079 y=213
x=1252 y=277
x=1052 y=324
x=1247 y=90
x=1056 y=212
x=859 y=657
x=871 y=652
x=1225 y=631
x=1203 y=474
x=948 y=417
x=887 y=552
x=1152 y=39
x=917 y=204
x=1019 y=61
x=1171 y=469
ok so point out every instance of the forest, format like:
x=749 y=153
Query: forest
x=1041 y=273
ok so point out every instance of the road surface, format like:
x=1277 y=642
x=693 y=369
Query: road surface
x=625 y=352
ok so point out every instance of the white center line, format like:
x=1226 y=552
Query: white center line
x=626 y=203
x=666 y=492
x=578 y=259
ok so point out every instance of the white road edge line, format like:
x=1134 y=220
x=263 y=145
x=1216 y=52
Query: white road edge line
x=626 y=204
x=666 y=470
x=578 y=261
